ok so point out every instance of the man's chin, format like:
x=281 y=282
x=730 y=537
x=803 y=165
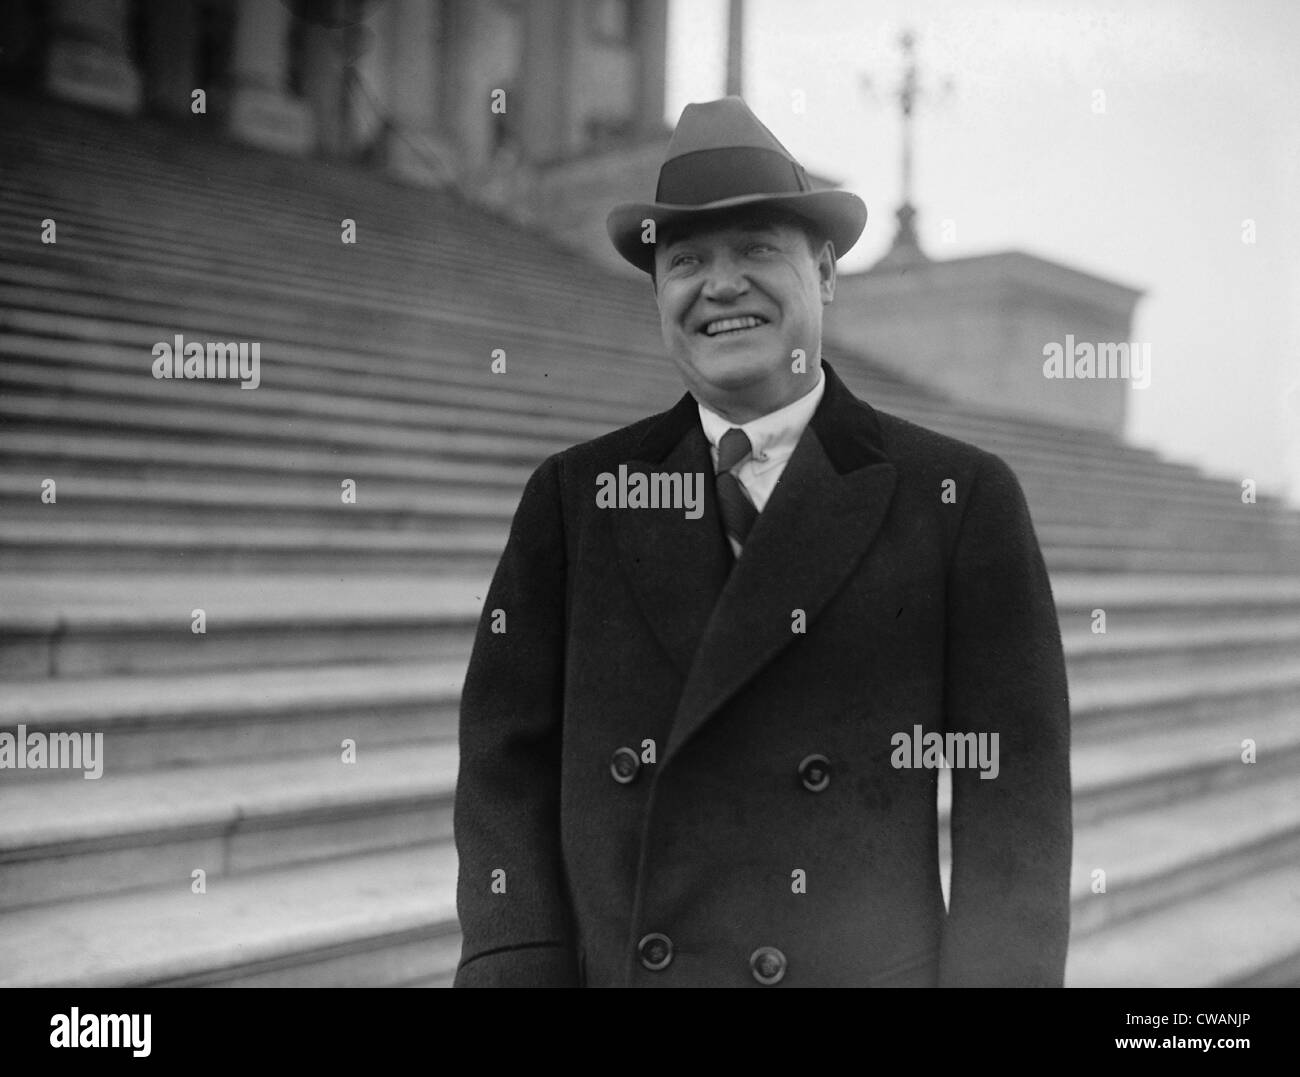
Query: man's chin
x=731 y=373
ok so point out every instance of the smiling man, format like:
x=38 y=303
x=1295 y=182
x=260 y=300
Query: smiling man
x=704 y=750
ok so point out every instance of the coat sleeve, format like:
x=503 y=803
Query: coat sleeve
x=507 y=795
x=1009 y=903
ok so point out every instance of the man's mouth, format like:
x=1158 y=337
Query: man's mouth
x=724 y=327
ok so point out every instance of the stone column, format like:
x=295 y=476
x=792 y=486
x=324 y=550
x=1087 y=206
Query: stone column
x=324 y=42
x=652 y=60
x=261 y=111
x=170 y=62
x=475 y=59
x=545 y=87
x=369 y=90
x=87 y=60
x=413 y=152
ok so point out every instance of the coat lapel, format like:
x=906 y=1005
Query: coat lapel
x=823 y=516
x=676 y=566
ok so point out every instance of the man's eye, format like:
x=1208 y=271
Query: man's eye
x=760 y=248
x=680 y=259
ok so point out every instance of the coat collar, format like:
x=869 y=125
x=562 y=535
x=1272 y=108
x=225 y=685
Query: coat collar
x=721 y=625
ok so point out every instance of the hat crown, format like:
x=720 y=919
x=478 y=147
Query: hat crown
x=722 y=124
x=719 y=150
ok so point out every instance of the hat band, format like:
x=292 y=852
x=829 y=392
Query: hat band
x=704 y=176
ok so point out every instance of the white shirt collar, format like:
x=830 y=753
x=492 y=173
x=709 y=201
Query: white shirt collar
x=773 y=435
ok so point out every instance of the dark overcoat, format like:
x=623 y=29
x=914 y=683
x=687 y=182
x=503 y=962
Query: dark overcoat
x=757 y=827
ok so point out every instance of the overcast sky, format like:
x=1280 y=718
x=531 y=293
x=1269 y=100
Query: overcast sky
x=1201 y=131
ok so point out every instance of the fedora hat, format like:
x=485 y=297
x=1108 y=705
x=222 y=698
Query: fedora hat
x=721 y=157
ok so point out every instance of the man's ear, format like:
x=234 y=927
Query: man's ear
x=826 y=272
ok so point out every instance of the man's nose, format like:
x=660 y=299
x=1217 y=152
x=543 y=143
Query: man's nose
x=723 y=279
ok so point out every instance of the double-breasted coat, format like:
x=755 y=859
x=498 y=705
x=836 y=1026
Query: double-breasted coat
x=666 y=779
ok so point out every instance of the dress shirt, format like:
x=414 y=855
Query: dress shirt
x=772 y=438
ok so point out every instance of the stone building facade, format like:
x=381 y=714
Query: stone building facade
x=438 y=92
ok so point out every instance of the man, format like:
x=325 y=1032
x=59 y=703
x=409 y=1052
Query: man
x=699 y=748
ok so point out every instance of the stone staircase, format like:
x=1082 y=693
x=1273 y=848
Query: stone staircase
x=328 y=622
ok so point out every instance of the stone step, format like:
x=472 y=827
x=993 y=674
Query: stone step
x=486 y=329
x=176 y=300
x=149 y=457
x=165 y=200
x=358 y=922
x=49 y=543
x=67 y=840
x=372 y=271
x=1227 y=931
x=188 y=719
x=1169 y=648
x=119 y=375
x=1115 y=559
x=1149 y=765
x=546 y=377
x=1145 y=601
x=1257 y=538
x=192 y=417
x=1164 y=700
x=88 y=626
x=1181 y=523
x=1155 y=858
x=227 y=213
x=294 y=502
x=55 y=133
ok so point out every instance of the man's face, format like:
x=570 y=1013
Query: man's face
x=763 y=272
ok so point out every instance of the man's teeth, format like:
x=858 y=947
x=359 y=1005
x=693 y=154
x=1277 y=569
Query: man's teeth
x=727 y=325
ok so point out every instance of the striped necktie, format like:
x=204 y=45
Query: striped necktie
x=738 y=511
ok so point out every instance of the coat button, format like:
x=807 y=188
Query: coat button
x=656 y=951
x=767 y=963
x=624 y=765
x=815 y=773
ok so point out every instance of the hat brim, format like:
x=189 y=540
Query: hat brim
x=839 y=215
